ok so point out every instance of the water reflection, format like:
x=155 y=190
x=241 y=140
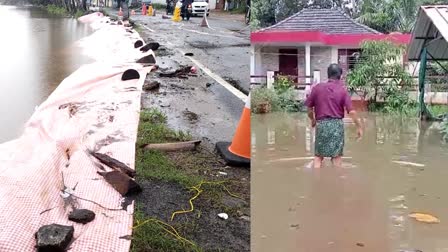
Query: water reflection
x=363 y=206
x=38 y=52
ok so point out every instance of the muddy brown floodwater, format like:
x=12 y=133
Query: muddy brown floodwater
x=37 y=52
x=363 y=206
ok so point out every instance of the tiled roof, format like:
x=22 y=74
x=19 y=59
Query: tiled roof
x=330 y=21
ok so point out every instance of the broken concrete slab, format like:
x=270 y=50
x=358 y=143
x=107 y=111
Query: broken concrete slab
x=81 y=216
x=149 y=59
x=150 y=46
x=151 y=85
x=121 y=182
x=54 y=238
x=138 y=44
x=113 y=163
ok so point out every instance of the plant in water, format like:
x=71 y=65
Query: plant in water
x=262 y=99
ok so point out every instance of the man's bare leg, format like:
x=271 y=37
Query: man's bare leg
x=318 y=162
x=337 y=161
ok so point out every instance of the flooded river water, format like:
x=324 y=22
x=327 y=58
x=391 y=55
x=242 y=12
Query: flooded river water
x=38 y=51
x=363 y=206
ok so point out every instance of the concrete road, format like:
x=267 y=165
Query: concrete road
x=222 y=54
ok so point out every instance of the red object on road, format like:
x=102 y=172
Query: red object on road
x=193 y=70
x=144 y=9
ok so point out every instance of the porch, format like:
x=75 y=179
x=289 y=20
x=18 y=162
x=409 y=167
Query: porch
x=304 y=64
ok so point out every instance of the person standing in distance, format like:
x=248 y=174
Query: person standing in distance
x=326 y=106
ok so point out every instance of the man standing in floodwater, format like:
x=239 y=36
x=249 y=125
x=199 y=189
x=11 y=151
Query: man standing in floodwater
x=326 y=106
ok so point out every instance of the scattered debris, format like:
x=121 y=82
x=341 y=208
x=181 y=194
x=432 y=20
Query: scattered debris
x=150 y=46
x=151 y=85
x=54 y=237
x=422 y=217
x=244 y=217
x=191 y=116
x=223 y=216
x=121 y=182
x=111 y=118
x=73 y=107
x=149 y=59
x=193 y=70
x=182 y=72
x=296 y=226
x=138 y=44
x=180 y=87
x=165 y=17
x=113 y=163
x=208 y=84
x=130 y=74
x=397 y=199
x=81 y=216
x=126 y=237
x=409 y=163
x=223 y=173
x=359 y=244
x=189 y=54
x=190 y=145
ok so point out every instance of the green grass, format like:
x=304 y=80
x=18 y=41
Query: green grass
x=152 y=237
x=79 y=13
x=159 y=6
x=180 y=168
x=153 y=129
x=138 y=28
x=151 y=164
x=56 y=10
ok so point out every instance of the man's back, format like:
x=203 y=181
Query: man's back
x=329 y=100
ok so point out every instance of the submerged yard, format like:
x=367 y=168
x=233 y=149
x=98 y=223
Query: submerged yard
x=397 y=169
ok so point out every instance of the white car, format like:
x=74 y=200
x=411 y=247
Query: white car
x=200 y=7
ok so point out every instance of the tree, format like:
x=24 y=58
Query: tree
x=269 y=12
x=392 y=15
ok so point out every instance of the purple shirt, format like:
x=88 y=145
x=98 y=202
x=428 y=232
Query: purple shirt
x=329 y=100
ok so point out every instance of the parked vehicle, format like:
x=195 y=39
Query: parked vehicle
x=200 y=7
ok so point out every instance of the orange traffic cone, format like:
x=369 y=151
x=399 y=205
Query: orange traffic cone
x=237 y=153
x=204 y=22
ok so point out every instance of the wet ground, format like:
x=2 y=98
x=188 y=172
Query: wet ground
x=199 y=105
x=223 y=48
x=363 y=206
x=38 y=52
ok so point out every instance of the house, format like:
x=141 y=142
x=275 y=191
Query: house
x=303 y=45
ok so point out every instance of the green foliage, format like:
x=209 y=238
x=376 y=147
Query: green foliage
x=79 y=13
x=260 y=96
x=378 y=76
x=392 y=15
x=282 y=84
x=281 y=98
x=444 y=129
x=268 y=12
x=56 y=10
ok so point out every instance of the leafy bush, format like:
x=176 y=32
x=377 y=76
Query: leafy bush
x=56 y=10
x=281 y=98
x=377 y=75
x=260 y=96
